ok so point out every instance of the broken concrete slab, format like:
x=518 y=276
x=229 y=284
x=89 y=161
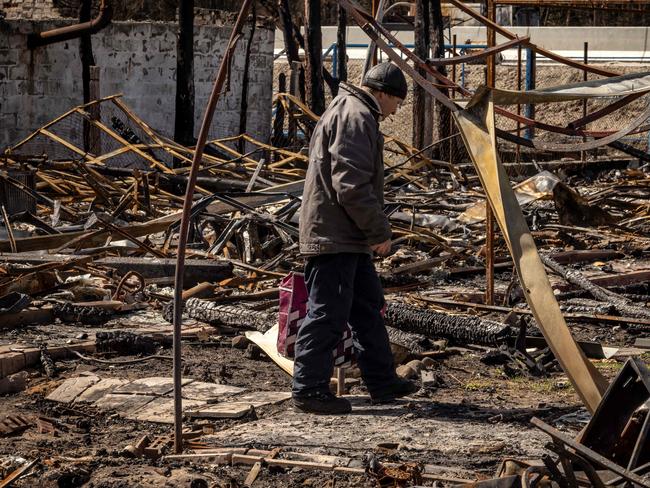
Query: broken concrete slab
x=72 y=388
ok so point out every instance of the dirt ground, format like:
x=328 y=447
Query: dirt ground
x=468 y=424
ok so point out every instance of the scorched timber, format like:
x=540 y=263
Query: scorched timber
x=578 y=279
x=460 y=329
x=216 y=314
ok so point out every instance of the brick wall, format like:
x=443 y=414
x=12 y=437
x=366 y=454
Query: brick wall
x=137 y=59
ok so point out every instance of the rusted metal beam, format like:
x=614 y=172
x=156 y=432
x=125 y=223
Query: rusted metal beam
x=509 y=35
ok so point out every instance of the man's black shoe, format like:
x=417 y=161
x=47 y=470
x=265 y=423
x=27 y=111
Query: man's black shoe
x=397 y=388
x=321 y=402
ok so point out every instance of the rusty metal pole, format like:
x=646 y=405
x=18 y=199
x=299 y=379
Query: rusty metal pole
x=224 y=69
x=489 y=217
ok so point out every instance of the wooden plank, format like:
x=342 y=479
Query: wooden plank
x=160 y=410
x=479 y=134
x=200 y=390
x=153 y=385
x=223 y=410
x=123 y=404
x=72 y=388
x=100 y=389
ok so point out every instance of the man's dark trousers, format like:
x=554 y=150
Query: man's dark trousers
x=343 y=288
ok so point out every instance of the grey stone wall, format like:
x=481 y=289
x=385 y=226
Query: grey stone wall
x=137 y=59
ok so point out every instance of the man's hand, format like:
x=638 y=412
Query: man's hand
x=382 y=249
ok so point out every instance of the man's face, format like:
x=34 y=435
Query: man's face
x=388 y=104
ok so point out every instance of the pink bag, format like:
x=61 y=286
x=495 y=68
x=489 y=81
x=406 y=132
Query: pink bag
x=293 y=310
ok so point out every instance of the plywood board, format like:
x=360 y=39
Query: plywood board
x=154 y=385
x=226 y=410
x=72 y=388
x=268 y=343
x=240 y=406
x=200 y=390
x=160 y=410
x=98 y=390
x=123 y=404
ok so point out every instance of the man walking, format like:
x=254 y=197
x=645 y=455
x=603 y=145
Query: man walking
x=342 y=224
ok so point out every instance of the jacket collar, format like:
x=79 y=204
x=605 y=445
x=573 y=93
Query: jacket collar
x=366 y=98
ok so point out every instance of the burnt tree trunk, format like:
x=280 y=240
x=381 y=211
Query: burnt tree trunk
x=87 y=60
x=314 y=89
x=184 y=118
x=422 y=103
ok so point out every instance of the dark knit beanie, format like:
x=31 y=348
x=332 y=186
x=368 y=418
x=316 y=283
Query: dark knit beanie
x=388 y=78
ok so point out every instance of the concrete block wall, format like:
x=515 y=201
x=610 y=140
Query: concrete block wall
x=137 y=59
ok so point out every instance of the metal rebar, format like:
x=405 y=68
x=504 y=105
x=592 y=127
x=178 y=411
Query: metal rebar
x=224 y=69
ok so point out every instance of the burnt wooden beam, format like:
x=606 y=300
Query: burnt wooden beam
x=230 y=315
x=196 y=270
x=243 y=110
x=314 y=90
x=289 y=32
x=184 y=113
x=422 y=107
x=461 y=329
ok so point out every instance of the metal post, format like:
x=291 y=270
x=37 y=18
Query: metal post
x=224 y=69
x=518 y=148
x=531 y=70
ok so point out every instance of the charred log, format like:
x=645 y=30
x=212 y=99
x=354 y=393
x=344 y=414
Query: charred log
x=216 y=314
x=460 y=329
x=124 y=343
x=621 y=304
x=415 y=343
x=68 y=312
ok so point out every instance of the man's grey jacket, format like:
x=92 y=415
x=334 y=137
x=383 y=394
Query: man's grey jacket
x=343 y=198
